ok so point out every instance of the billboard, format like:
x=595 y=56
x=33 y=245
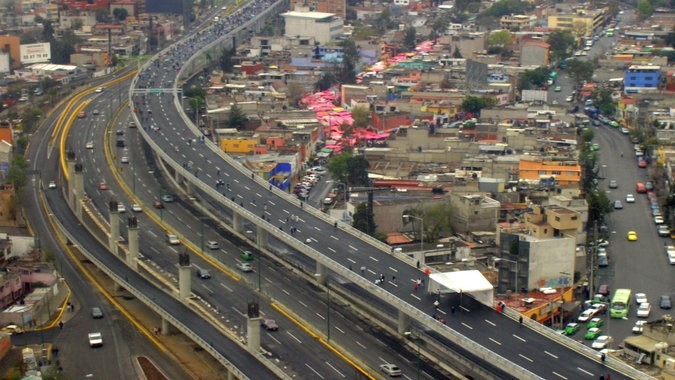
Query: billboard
x=534 y=96
x=34 y=53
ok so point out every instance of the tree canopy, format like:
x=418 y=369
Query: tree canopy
x=644 y=9
x=562 y=42
x=236 y=118
x=364 y=220
x=507 y=7
x=475 y=104
x=499 y=38
x=361 y=116
x=120 y=14
x=349 y=169
x=533 y=78
x=410 y=38
x=580 y=70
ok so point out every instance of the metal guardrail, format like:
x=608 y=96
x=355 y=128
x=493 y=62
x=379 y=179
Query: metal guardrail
x=151 y=304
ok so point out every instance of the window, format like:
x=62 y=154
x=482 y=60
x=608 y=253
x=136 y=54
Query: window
x=633 y=77
x=556 y=172
x=557 y=218
x=574 y=217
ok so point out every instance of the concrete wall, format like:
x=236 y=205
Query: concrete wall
x=548 y=258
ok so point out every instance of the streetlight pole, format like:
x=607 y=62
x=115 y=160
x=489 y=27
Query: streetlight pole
x=419 y=358
x=421 y=229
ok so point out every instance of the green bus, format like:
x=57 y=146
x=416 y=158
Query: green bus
x=620 y=305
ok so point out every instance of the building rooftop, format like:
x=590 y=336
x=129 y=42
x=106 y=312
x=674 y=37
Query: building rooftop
x=312 y=15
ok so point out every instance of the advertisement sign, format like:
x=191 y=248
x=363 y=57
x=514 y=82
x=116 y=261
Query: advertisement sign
x=34 y=53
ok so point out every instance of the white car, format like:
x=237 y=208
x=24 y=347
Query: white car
x=52 y=185
x=121 y=208
x=644 y=310
x=569 y=99
x=601 y=342
x=630 y=198
x=390 y=369
x=639 y=327
x=641 y=298
x=212 y=244
x=100 y=89
x=124 y=159
x=89 y=145
x=587 y=315
x=172 y=239
x=245 y=267
x=95 y=339
x=136 y=208
x=658 y=220
x=670 y=253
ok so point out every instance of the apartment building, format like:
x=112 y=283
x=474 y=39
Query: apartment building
x=581 y=22
x=517 y=23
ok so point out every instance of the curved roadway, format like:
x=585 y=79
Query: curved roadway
x=165 y=127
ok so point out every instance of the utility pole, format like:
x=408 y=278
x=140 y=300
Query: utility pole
x=594 y=253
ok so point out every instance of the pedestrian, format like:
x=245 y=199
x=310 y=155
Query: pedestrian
x=393 y=279
x=603 y=358
x=520 y=320
x=377 y=281
x=363 y=269
x=608 y=377
x=60 y=325
x=452 y=310
x=436 y=304
x=218 y=172
x=415 y=285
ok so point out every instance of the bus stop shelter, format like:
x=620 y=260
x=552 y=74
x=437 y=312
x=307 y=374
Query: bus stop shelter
x=470 y=282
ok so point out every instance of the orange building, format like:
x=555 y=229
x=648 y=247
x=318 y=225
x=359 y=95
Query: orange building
x=11 y=45
x=565 y=173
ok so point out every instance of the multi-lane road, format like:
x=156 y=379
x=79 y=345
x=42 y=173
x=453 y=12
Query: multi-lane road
x=521 y=346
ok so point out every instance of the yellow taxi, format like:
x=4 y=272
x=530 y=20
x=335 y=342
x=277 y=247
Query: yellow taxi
x=632 y=235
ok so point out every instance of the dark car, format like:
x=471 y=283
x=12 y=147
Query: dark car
x=604 y=290
x=664 y=302
x=649 y=185
x=603 y=261
x=96 y=313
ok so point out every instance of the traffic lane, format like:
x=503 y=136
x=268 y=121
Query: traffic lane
x=233 y=352
x=206 y=290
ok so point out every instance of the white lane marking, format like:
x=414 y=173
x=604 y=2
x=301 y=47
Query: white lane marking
x=414 y=296
x=247 y=188
x=320 y=316
x=350 y=260
x=208 y=289
x=152 y=233
x=490 y=322
x=333 y=237
x=258 y=194
x=331 y=249
x=374 y=259
x=225 y=286
x=335 y=369
x=526 y=358
x=464 y=309
x=360 y=345
x=237 y=310
x=352 y=247
x=293 y=336
x=559 y=375
x=495 y=342
x=286 y=211
x=275 y=339
x=286 y=291
x=393 y=270
x=550 y=354
x=339 y=329
x=517 y=337
x=317 y=228
x=272 y=203
x=467 y=326
x=302 y=303
x=308 y=366
x=586 y=372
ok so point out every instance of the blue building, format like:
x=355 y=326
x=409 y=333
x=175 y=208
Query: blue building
x=641 y=78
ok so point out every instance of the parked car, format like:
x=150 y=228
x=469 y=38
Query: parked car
x=670 y=254
x=603 y=261
x=640 y=298
x=592 y=333
x=618 y=205
x=663 y=230
x=658 y=220
x=664 y=302
x=604 y=290
x=595 y=322
x=613 y=184
x=601 y=342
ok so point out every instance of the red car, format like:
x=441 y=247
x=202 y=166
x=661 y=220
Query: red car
x=640 y=187
x=157 y=204
x=81 y=115
x=642 y=164
x=103 y=186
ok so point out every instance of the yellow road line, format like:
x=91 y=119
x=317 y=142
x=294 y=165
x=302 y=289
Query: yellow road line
x=64 y=138
x=58 y=317
x=98 y=286
x=322 y=341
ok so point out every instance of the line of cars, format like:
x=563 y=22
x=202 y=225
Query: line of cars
x=303 y=188
x=593 y=323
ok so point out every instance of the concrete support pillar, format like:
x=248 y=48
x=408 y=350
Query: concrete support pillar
x=237 y=221
x=78 y=189
x=403 y=322
x=419 y=257
x=114 y=230
x=132 y=254
x=166 y=327
x=72 y=194
x=184 y=281
x=189 y=188
x=320 y=273
x=261 y=238
x=230 y=375
x=253 y=333
x=178 y=177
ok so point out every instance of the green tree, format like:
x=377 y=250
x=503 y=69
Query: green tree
x=506 y=7
x=120 y=14
x=499 y=38
x=326 y=81
x=644 y=9
x=364 y=220
x=226 y=61
x=599 y=205
x=602 y=99
x=46 y=83
x=580 y=70
x=438 y=26
x=533 y=78
x=357 y=169
x=195 y=92
x=236 y=118
x=383 y=21
x=562 y=42
x=410 y=38
x=64 y=47
x=17 y=172
x=437 y=221
x=30 y=116
x=21 y=144
x=475 y=104
x=295 y=92
x=457 y=53
x=350 y=60
x=338 y=168
x=76 y=24
x=361 y=116
x=102 y=15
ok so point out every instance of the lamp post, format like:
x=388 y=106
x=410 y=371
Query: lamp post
x=197 y=100
x=497 y=259
x=421 y=228
x=419 y=358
